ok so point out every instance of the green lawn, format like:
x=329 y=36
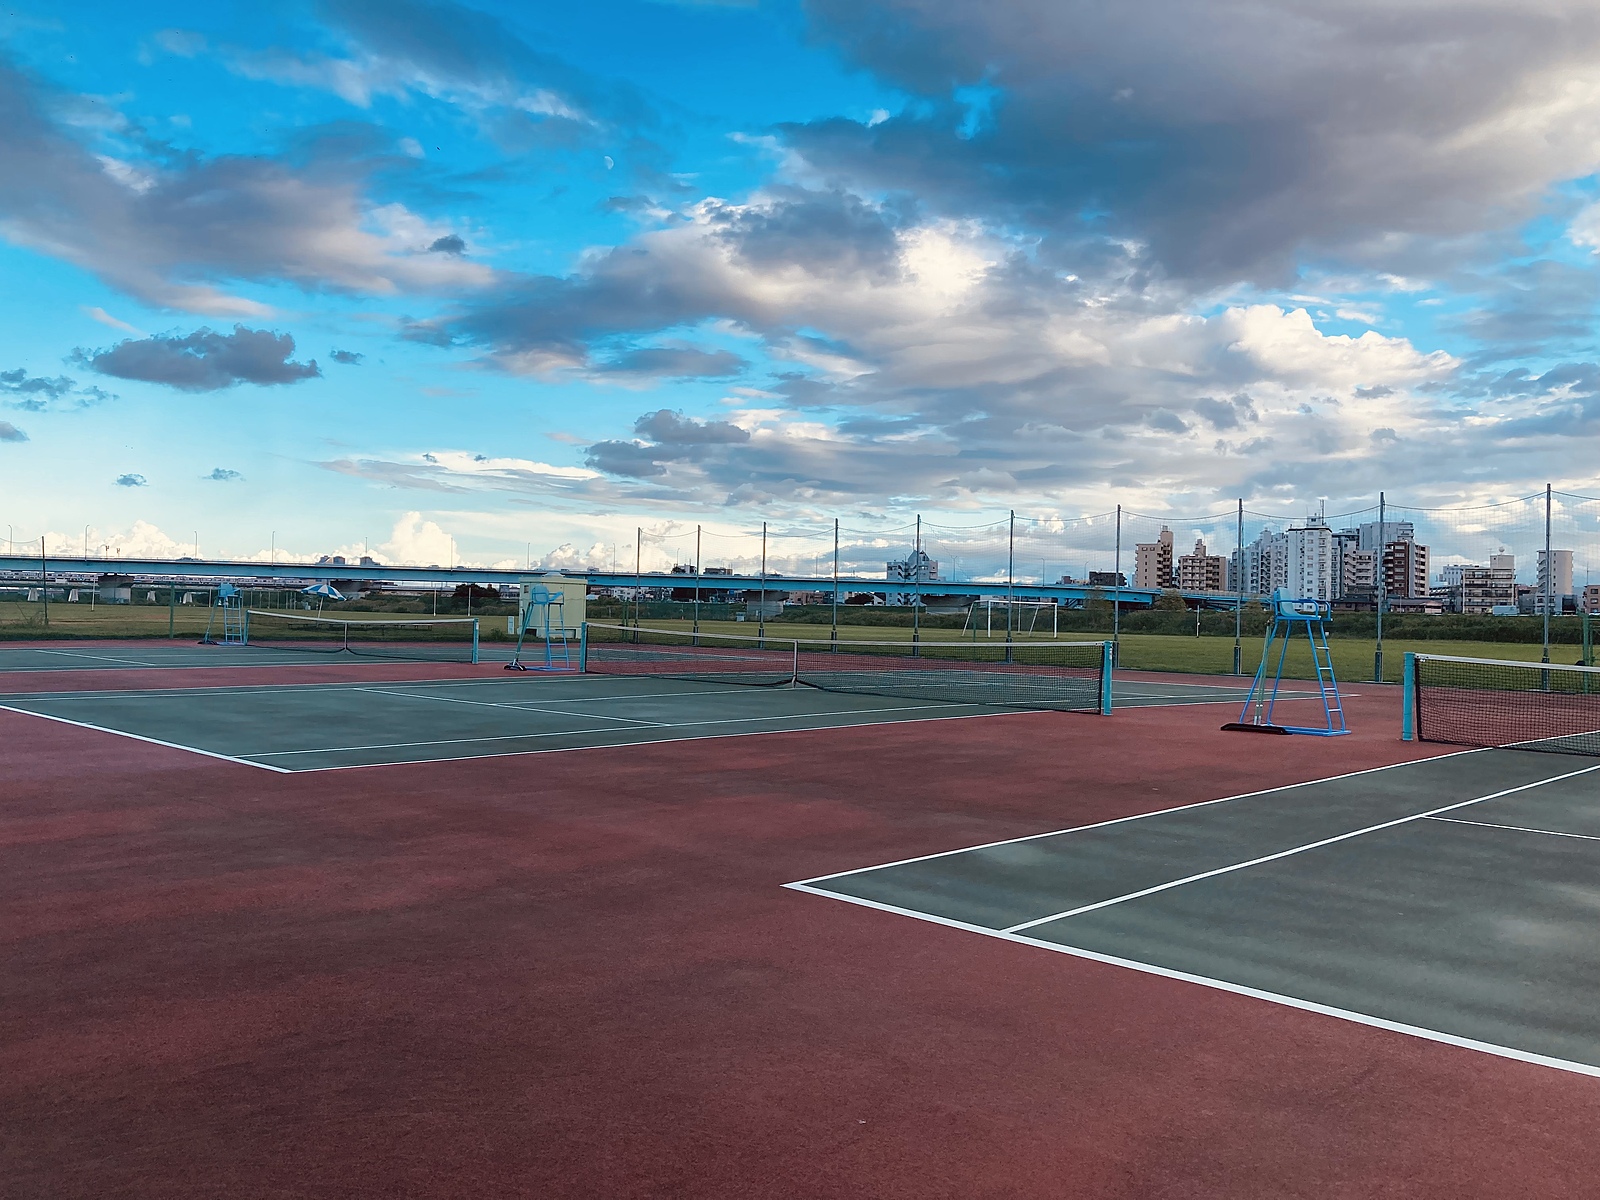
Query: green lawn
x=1352 y=657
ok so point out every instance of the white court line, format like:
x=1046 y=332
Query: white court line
x=1266 y=858
x=133 y=662
x=141 y=738
x=709 y=737
x=511 y=737
x=1156 y=812
x=1223 y=985
x=1587 y=837
x=512 y=707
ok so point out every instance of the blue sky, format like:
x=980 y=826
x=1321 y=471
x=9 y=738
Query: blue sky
x=507 y=281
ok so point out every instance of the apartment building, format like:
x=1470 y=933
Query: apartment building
x=1202 y=572
x=1153 y=563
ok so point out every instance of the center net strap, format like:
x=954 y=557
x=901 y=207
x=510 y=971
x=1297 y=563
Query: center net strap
x=1067 y=676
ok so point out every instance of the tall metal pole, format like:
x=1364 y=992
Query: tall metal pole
x=1383 y=588
x=1116 y=595
x=1011 y=580
x=916 y=593
x=1549 y=575
x=44 y=582
x=638 y=573
x=1238 y=599
x=697 y=584
x=835 y=634
x=761 y=614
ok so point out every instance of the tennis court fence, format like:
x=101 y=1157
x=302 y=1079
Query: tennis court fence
x=1064 y=676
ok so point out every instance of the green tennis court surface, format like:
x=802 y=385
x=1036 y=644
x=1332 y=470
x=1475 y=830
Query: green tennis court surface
x=289 y=727
x=159 y=655
x=1452 y=898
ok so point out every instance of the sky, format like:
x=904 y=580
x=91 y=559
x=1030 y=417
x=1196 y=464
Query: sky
x=500 y=283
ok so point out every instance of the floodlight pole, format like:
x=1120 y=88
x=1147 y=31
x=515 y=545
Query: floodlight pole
x=697 y=584
x=1549 y=576
x=1238 y=599
x=834 y=637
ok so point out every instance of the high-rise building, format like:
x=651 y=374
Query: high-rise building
x=1152 y=562
x=1262 y=566
x=1591 y=598
x=1201 y=572
x=916 y=567
x=1358 y=575
x=1560 y=583
x=1491 y=587
x=1405 y=569
x=1373 y=534
x=1309 y=562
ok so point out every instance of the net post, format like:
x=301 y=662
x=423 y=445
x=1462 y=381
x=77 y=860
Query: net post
x=1408 y=703
x=583 y=648
x=474 y=638
x=794 y=665
x=1105 y=678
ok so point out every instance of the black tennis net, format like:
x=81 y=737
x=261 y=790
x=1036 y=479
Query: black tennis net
x=1486 y=702
x=429 y=639
x=1066 y=676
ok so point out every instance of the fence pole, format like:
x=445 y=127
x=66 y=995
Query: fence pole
x=916 y=590
x=834 y=637
x=172 y=608
x=697 y=585
x=1116 y=596
x=638 y=573
x=44 y=582
x=1011 y=579
x=1549 y=575
x=1238 y=600
x=761 y=613
x=1383 y=588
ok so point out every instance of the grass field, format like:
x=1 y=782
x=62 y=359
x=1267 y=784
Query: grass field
x=1209 y=655
x=1352 y=657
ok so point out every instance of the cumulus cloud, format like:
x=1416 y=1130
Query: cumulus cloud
x=204 y=361
x=348 y=358
x=10 y=433
x=38 y=393
x=131 y=480
x=176 y=230
x=1225 y=137
x=224 y=475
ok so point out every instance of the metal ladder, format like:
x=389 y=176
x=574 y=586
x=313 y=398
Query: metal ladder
x=1322 y=659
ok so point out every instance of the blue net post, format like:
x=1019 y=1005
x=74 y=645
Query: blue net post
x=1408 y=701
x=1106 y=650
x=583 y=648
x=474 y=639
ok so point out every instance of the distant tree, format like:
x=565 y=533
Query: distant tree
x=1170 y=600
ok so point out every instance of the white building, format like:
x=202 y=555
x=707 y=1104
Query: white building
x=1561 y=582
x=1309 y=562
x=916 y=567
x=1374 y=535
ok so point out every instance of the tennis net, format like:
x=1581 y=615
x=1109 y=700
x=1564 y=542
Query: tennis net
x=430 y=639
x=1488 y=702
x=1067 y=676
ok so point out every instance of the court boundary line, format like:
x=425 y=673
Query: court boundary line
x=139 y=737
x=417 y=762
x=1155 y=812
x=511 y=737
x=342 y=685
x=1420 y=1032
x=1293 y=850
x=1586 y=837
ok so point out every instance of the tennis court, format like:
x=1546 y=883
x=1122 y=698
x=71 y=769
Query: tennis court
x=1453 y=898
x=309 y=727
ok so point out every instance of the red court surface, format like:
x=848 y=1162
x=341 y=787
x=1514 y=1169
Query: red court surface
x=579 y=975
